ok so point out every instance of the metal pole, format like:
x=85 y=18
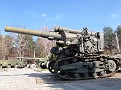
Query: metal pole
x=117 y=42
x=1 y=45
x=34 y=53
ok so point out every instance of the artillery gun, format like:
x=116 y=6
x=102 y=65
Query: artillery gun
x=79 y=54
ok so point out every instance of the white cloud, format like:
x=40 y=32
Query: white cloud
x=43 y=14
x=57 y=17
x=53 y=19
x=114 y=15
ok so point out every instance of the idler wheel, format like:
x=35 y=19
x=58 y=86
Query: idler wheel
x=112 y=65
x=51 y=66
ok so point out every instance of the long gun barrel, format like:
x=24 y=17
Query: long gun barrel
x=62 y=35
x=72 y=31
x=53 y=35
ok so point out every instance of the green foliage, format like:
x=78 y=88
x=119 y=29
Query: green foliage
x=30 y=45
x=110 y=39
x=52 y=57
x=40 y=51
x=119 y=35
x=109 y=36
x=8 y=40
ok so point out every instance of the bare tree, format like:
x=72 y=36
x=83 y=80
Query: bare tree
x=5 y=46
x=47 y=45
x=1 y=47
x=44 y=44
x=19 y=42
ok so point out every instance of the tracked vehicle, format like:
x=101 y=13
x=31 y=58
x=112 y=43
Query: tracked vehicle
x=79 y=54
x=11 y=63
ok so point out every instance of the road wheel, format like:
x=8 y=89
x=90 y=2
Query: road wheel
x=0 y=66
x=51 y=66
x=16 y=66
x=112 y=65
x=9 y=66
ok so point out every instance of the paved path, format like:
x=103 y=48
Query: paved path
x=28 y=79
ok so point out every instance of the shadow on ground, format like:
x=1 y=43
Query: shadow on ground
x=48 y=78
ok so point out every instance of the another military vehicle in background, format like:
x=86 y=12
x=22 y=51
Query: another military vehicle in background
x=12 y=63
x=34 y=62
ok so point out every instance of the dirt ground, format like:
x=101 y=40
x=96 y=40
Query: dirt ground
x=23 y=79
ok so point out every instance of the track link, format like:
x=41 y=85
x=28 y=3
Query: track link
x=111 y=67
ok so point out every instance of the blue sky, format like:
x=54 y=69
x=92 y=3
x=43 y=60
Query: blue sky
x=76 y=14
